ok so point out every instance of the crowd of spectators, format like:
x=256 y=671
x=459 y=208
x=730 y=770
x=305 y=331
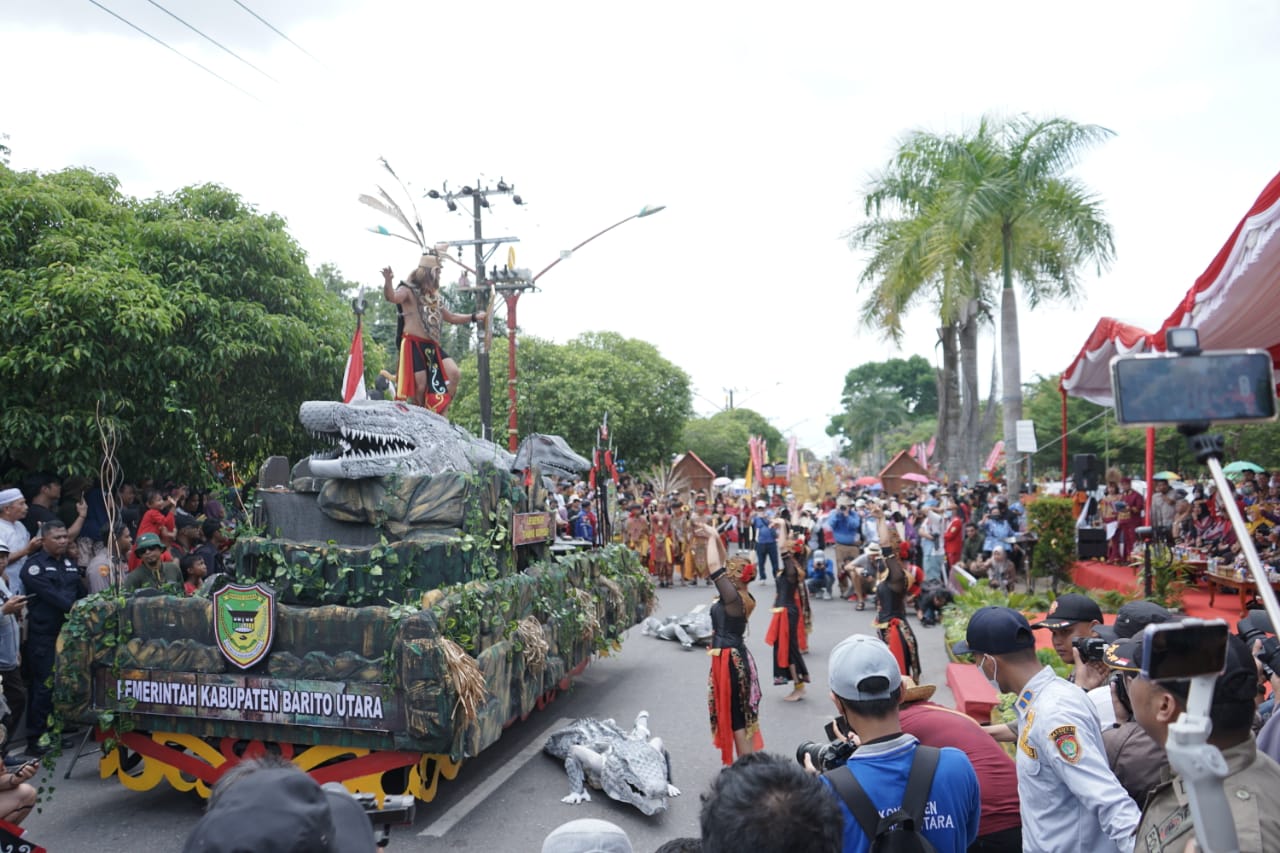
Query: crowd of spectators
x=61 y=540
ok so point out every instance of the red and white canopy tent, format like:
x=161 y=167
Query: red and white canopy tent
x=1235 y=303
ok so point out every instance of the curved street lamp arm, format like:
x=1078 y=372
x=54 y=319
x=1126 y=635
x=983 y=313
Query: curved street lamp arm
x=585 y=242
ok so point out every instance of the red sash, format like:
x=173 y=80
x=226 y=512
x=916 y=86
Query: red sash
x=437 y=397
x=779 y=635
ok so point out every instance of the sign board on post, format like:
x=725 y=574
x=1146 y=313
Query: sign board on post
x=530 y=527
x=1025 y=436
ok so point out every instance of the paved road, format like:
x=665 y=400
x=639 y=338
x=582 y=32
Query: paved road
x=509 y=797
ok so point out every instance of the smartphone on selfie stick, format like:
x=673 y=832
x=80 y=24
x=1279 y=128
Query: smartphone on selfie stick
x=1191 y=390
x=1195 y=650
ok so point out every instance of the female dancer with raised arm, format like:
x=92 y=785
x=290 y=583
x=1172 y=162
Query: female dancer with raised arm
x=891 y=607
x=733 y=688
x=790 y=615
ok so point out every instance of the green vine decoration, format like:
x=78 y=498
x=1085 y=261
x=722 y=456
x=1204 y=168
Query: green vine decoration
x=70 y=680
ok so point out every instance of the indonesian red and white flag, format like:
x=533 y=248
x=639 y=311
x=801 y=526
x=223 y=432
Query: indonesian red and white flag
x=353 y=376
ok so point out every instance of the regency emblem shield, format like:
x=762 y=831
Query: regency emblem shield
x=244 y=622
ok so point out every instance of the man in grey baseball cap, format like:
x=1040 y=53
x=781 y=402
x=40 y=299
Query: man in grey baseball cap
x=866 y=687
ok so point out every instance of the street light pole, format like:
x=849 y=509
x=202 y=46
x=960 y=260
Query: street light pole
x=644 y=211
x=511 y=295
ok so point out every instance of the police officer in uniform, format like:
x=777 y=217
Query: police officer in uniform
x=53 y=584
x=1070 y=799
x=1253 y=780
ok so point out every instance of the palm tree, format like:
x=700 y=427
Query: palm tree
x=967 y=205
x=919 y=254
x=1047 y=225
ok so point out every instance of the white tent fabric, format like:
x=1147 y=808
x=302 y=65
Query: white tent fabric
x=1234 y=304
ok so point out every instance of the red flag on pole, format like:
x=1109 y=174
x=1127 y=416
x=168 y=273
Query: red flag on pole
x=353 y=376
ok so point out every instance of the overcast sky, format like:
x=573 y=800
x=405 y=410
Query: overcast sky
x=757 y=125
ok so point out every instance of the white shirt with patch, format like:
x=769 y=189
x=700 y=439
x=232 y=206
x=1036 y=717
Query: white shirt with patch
x=1070 y=799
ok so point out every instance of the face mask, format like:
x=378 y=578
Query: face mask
x=995 y=670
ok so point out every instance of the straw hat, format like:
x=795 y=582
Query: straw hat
x=912 y=692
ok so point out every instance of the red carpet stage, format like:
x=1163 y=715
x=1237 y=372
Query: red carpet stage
x=1088 y=574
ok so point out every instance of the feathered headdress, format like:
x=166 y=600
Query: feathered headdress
x=385 y=204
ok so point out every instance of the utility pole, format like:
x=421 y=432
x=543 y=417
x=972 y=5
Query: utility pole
x=482 y=345
x=483 y=286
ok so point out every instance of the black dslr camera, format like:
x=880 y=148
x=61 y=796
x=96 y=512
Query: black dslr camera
x=1090 y=648
x=828 y=756
x=1256 y=626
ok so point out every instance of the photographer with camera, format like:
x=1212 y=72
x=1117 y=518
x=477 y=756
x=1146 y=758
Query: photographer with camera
x=1253 y=779
x=1072 y=621
x=866 y=688
x=846 y=528
x=1070 y=799
x=1254 y=630
x=1137 y=760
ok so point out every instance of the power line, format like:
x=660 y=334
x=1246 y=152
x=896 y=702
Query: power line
x=267 y=24
x=174 y=49
x=213 y=40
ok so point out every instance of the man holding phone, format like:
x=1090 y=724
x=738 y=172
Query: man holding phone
x=17 y=798
x=1253 y=778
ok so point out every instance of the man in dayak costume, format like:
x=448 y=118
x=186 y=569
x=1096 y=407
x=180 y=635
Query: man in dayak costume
x=426 y=374
x=661 y=545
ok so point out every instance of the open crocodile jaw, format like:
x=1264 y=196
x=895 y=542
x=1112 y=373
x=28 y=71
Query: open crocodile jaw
x=370 y=441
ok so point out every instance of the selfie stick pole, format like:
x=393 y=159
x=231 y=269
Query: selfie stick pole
x=1202 y=769
x=1200 y=765
x=1208 y=449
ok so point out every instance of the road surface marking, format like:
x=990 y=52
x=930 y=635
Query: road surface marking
x=441 y=825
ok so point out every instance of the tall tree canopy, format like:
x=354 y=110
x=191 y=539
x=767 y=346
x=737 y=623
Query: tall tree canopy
x=912 y=379
x=997 y=199
x=189 y=320
x=883 y=403
x=721 y=440
x=566 y=389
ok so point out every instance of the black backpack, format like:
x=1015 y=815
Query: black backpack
x=898 y=832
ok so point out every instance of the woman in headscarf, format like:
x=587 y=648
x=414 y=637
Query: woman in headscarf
x=790 y=615
x=733 y=687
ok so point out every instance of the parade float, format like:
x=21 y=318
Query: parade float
x=397 y=603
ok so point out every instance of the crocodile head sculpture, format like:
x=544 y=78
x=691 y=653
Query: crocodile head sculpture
x=378 y=438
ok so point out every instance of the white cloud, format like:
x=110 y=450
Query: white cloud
x=757 y=126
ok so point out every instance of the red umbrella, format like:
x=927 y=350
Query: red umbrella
x=915 y=478
x=867 y=481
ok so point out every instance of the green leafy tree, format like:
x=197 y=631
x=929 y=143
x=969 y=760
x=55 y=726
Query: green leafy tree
x=883 y=401
x=566 y=390
x=190 y=320
x=913 y=379
x=721 y=440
